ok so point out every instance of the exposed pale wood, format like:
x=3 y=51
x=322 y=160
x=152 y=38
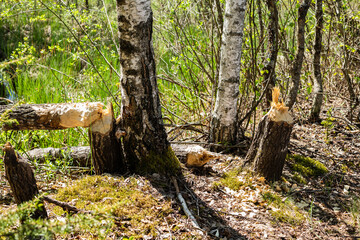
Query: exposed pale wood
x=193 y=155
x=21 y=180
x=106 y=148
x=269 y=147
x=52 y=116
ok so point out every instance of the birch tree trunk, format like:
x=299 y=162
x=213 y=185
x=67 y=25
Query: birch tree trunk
x=318 y=86
x=296 y=69
x=224 y=119
x=145 y=145
x=269 y=69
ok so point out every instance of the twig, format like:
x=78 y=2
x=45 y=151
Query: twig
x=64 y=206
x=256 y=104
x=70 y=208
x=239 y=145
x=184 y=205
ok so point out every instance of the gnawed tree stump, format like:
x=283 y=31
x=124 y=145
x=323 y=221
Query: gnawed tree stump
x=269 y=147
x=21 y=180
x=52 y=116
x=105 y=144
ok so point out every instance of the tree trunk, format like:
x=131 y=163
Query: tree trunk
x=354 y=101
x=145 y=144
x=268 y=149
x=297 y=66
x=21 y=180
x=224 y=119
x=106 y=148
x=269 y=69
x=318 y=86
x=51 y=116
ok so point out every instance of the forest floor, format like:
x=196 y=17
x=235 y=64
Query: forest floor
x=227 y=201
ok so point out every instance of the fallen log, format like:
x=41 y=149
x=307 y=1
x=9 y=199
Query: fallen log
x=80 y=155
x=191 y=155
x=51 y=116
x=21 y=180
x=269 y=147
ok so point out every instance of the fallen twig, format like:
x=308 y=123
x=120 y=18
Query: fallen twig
x=67 y=207
x=184 y=206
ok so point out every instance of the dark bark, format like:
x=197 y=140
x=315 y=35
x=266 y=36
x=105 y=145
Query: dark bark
x=51 y=116
x=145 y=145
x=107 y=154
x=318 y=86
x=269 y=69
x=297 y=66
x=21 y=180
x=269 y=147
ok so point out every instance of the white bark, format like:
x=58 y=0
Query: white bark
x=225 y=112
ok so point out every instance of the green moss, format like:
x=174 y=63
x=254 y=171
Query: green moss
x=122 y=198
x=166 y=163
x=299 y=178
x=231 y=180
x=283 y=210
x=306 y=166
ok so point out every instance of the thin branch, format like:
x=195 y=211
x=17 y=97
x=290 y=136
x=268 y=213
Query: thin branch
x=184 y=206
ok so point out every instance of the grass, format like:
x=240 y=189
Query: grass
x=234 y=180
x=283 y=210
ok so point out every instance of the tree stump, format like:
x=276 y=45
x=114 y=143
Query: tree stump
x=21 y=180
x=269 y=147
x=106 y=150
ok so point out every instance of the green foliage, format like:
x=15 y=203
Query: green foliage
x=17 y=225
x=231 y=180
x=355 y=211
x=328 y=123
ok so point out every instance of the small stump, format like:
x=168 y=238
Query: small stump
x=21 y=180
x=269 y=147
